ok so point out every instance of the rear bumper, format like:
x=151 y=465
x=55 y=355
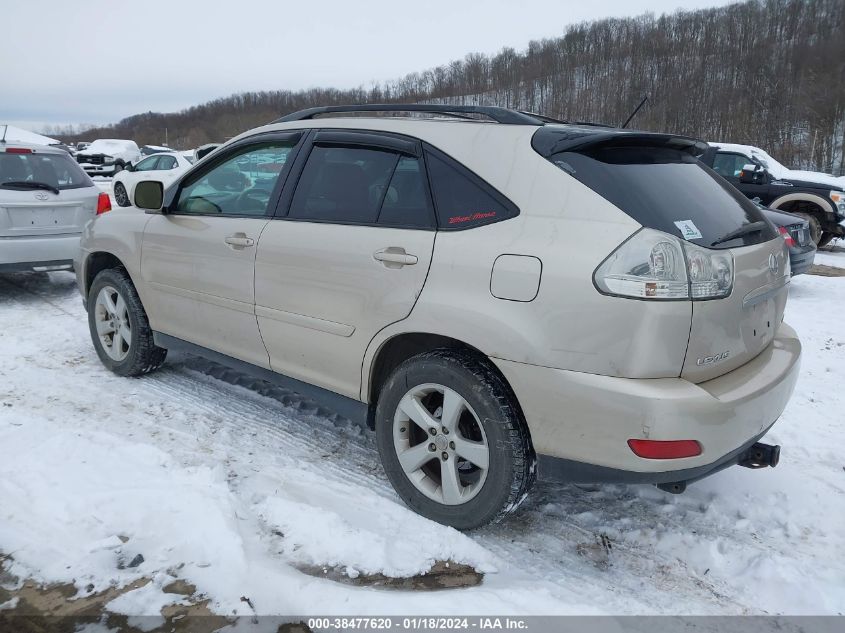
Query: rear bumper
x=580 y=423
x=29 y=252
x=801 y=259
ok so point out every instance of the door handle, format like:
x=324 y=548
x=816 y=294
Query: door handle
x=239 y=241
x=395 y=257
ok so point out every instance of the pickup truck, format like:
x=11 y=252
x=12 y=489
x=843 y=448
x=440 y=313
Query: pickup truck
x=106 y=156
x=818 y=198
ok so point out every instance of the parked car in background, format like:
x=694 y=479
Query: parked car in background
x=205 y=150
x=164 y=167
x=45 y=200
x=496 y=299
x=148 y=150
x=796 y=233
x=81 y=145
x=107 y=157
x=818 y=198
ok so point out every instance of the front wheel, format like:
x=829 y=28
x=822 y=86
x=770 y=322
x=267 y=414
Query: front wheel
x=120 y=195
x=452 y=439
x=815 y=228
x=119 y=327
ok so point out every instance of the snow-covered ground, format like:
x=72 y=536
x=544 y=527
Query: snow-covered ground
x=236 y=489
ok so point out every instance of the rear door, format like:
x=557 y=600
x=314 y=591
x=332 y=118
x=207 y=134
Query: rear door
x=43 y=193
x=198 y=258
x=348 y=257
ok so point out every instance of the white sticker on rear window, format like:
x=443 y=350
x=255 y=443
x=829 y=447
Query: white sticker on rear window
x=688 y=229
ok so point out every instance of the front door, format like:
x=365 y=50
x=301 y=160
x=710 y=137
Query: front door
x=198 y=258
x=350 y=257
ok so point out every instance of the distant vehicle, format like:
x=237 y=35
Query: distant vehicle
x=107 y=157
x=45 y=201
x=796 y=232
x=164 y=167
x=149 y=150
x=205 y=150
x=81 y=145
x=818 y=198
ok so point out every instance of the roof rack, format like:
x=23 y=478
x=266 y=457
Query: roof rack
x=499 y=115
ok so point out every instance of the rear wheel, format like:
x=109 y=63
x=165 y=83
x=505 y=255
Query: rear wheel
x=119 y=327
x=120 y=195
x=452 y=439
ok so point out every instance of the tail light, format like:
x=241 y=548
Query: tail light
x=671 y=449
x=787 y=237
x=103 y=203
x=656 y=265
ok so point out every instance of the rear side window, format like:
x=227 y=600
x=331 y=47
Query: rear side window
x=362 y=185
x=662 y=188
x=55 y=170
x=462 y=199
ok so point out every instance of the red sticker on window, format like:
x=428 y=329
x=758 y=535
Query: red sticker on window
x=479 y=215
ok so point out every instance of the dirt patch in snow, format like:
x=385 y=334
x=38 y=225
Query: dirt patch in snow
x=60 y=608
x=827 y=271
x=442 y=575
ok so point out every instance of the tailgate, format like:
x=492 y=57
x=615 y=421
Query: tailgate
x=26 y=213
x=727 y=333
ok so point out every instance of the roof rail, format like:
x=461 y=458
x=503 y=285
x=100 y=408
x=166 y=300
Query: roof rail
x=499 y=115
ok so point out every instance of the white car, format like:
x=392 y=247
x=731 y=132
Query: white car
x=164 y=167
x=108 y=156
x=45 y=201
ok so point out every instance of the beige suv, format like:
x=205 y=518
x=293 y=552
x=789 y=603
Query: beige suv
x=497 y=298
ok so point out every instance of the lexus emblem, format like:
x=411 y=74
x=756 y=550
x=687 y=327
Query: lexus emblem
x=774 y=265
x=41 y=195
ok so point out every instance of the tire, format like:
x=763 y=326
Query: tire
x=826 y=239
x=140 y=355
x=815 y=228
x=120 y=195
x=491 y=423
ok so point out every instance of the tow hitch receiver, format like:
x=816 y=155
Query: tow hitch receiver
x=760 y=455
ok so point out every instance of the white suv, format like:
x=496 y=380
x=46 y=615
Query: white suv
x=45 y=200
x=496 y=299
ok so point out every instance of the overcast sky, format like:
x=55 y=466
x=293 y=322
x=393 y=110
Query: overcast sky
x=97 y=62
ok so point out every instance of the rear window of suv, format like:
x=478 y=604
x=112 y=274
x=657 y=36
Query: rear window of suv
x=56 y=170
x=663 y=187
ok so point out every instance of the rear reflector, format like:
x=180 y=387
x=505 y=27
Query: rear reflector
x=671 y=449
x=18 y=150
x=790 y=242
x=103 y=203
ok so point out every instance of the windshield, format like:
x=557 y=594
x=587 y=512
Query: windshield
x=58 y=171
x=668 y=190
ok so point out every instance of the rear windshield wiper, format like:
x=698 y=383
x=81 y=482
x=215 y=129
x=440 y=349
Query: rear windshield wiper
x=30 y=184
x=746 y=229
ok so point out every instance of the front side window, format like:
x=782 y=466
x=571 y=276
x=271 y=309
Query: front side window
x=362 y=186
x=240 y=185
x=729 y=165
x=148 y=164
x=25 y=171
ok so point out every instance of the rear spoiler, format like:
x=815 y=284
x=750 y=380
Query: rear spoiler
x=549 y=140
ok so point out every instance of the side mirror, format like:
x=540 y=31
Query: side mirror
x=129 y=167
x=751 y=174
x=149 y=195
